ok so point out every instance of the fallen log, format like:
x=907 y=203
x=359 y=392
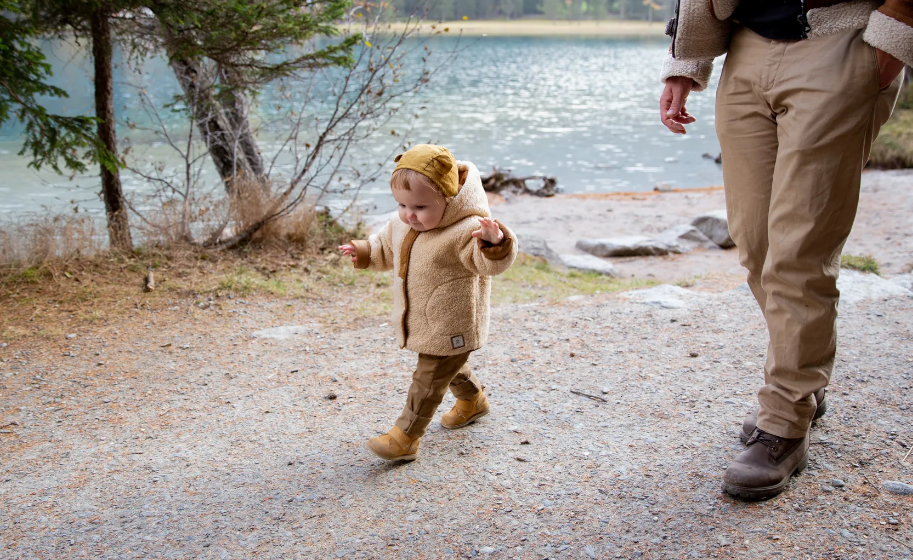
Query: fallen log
x=502 y=182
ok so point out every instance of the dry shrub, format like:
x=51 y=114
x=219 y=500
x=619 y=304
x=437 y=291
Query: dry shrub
x=47 y=241
x=307 y=225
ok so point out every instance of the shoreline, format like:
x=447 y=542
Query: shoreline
x=538 y=28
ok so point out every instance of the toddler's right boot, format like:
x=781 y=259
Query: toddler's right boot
x=465 y=412
x=395 y=445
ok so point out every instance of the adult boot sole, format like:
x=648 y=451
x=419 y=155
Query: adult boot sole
x=471 y=419
x=765 y=492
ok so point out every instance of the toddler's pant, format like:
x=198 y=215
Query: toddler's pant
x=432 y=377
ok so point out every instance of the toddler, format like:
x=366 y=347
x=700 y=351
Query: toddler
x=443 y=249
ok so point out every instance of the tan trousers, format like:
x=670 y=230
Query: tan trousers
x=796 y=120
x=432 y=377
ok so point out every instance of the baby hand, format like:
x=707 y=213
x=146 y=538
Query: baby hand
x=489 y=231
x=349 y=250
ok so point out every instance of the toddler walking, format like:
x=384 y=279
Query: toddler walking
x=443 y=249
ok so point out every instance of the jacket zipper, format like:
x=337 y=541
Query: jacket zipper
x=405 y=254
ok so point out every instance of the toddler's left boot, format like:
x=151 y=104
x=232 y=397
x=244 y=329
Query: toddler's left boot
x=395 y=445
x=465 y=412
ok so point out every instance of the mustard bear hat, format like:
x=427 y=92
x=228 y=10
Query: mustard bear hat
x=434 y=162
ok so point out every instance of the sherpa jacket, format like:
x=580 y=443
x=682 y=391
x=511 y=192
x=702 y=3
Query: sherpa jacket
x=702 y=29
x=442 y=284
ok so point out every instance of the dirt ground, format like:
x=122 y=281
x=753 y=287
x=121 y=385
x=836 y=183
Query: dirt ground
x=176 y=429
x=883 y=228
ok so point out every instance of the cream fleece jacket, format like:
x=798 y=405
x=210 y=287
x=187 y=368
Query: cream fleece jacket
x=703 y=31
x=442 y=284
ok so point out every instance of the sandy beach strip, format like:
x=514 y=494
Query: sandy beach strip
x=537 y=28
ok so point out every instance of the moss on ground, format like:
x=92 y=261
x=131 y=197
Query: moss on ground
x=864 y=263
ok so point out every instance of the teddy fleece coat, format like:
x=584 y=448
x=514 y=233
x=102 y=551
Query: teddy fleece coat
x=442 y=284
x=702 y=30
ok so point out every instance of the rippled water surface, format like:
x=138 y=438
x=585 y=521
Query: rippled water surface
x=583 y=110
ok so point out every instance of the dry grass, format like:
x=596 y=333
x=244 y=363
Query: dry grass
x=46 y=243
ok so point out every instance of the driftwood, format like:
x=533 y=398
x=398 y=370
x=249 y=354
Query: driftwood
x=502 y=181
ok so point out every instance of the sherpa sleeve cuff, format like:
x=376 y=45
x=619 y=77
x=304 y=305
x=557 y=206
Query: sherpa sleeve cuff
x=890 y=31
x=497 y=252
x=362 y=253
x=697 y=70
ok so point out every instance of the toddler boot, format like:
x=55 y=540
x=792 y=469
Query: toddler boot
x=395 y=445
x=465 y=412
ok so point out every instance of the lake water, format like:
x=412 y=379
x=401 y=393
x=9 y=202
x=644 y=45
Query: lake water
x=582 y=110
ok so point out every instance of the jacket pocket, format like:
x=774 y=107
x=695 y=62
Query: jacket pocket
x=451 y=309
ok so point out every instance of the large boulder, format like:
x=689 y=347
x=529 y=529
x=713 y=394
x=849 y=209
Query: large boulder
x=665 y=296
x=685 y=238
x=857 y=287
x=536 y=246
x=589 y=263
x=627 y=246
x=714 y=225
x=905 y=281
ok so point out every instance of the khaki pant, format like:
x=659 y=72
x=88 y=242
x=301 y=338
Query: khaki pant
x=796 y=120
x=432 y=377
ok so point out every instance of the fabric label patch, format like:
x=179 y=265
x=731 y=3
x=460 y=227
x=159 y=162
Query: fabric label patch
x=457 y=341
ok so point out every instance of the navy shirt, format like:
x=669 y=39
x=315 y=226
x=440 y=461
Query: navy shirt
x=773 y=19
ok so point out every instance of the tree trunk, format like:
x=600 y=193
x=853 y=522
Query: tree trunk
x=226 y=129
x=237 y=110
x=213 y=123
x=115 y=208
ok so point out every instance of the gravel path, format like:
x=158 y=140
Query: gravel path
x=180 y=435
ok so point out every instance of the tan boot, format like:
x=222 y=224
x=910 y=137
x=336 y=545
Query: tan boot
x=395 y=445
x=464 y=413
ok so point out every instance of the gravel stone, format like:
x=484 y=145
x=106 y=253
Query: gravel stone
x=899 y=488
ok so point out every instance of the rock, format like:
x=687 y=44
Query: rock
x=714 y=225
x=837 y=483
x=899 y=488
x=666 y=296
x=71 y=336
x=686 y=238
x=589 y=551
x=589 y=263
x=279 y=333
x=904 y=281
x=536 y=246
x=626 y=246
x=827 y=488
x=858 y=286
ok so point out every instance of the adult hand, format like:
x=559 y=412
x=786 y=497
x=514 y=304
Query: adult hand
x=672 y=104
x=349 y=250
x=489 y=231
x=888 y=68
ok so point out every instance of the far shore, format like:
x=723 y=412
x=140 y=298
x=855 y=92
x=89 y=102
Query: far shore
x=539 y=28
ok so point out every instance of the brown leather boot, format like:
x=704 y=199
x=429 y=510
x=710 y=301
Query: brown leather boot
x=465 y=412
x=751 y=419
x=763 y=470
x=395 y=445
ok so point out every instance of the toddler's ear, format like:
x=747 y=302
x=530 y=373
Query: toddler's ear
x=463 y=171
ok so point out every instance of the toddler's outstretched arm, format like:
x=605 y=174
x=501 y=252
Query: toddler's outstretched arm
x=489 y=231
x=375 y=253
x=491 y=249
x=349 y=250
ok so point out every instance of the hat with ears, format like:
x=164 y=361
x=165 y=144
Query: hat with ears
x=434 y=162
